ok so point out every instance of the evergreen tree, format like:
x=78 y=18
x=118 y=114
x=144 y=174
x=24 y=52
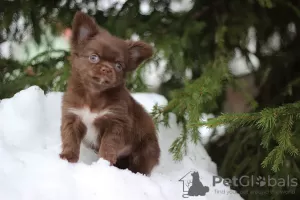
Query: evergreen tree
x=259 y=109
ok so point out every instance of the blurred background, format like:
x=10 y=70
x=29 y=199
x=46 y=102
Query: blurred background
x=230 y=70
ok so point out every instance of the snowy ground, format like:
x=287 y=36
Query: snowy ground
x=30 y=168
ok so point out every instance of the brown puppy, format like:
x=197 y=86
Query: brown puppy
x=97 y=108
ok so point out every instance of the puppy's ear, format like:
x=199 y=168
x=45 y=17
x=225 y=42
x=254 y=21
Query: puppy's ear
x=139 y=51
x=83 y=28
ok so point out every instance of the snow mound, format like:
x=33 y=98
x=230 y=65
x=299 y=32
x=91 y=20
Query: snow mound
x=32 y=170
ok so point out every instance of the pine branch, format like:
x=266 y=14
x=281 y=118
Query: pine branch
x=196 y=98
x=275 y=124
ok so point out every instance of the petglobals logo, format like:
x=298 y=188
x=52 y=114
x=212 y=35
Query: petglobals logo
x=192 y=186
x=246 y=181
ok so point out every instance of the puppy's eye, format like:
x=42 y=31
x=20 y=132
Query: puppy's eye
x=118 y=67
x=94 y=58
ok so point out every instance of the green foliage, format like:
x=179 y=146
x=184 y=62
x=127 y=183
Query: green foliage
x=48 y=72
x=195 y=98
x=276 y=125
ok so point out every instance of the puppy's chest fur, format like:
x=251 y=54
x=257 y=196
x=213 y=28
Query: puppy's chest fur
x=88 y=117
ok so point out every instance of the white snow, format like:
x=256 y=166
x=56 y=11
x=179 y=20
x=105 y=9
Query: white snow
x=31 y=169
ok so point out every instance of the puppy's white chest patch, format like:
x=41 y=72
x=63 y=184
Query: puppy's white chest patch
x=88 y=118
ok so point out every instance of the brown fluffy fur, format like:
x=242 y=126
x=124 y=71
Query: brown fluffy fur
x=126 y=136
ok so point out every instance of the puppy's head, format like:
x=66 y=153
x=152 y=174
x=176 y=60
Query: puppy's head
x=100 y=59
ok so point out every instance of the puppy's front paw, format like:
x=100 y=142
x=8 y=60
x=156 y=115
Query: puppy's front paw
x=111 y=158
x=69 y=156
